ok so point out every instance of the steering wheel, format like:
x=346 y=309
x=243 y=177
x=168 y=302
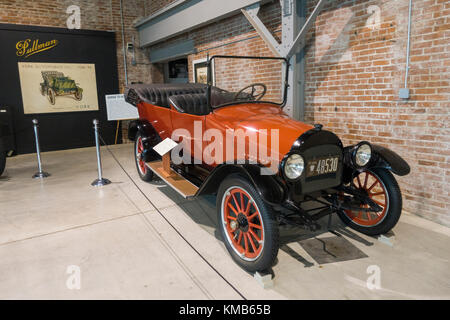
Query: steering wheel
x=253 y=94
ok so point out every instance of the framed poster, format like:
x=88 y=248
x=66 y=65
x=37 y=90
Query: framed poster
x=200 y=72
x=58 y=87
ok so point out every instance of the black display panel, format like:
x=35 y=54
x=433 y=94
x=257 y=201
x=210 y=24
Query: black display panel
x=64 y=130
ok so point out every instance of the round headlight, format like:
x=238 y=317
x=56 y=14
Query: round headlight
x=294 y=166
x=363 y=155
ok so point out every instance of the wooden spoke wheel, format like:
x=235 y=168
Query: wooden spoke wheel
x=375 y=189
x=247 y=224
x=243 y=222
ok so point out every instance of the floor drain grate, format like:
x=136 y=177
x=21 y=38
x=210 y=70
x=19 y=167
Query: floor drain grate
x=331 y=249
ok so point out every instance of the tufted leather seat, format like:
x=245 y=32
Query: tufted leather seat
x=158 y=94
x=193 y=100
x=195 y=104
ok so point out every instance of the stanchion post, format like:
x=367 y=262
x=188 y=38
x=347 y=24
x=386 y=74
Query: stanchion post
x=40 y=174
x=100 y=181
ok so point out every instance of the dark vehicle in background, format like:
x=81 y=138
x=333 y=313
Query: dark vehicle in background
x=6 y=136
x=57 y=84
x=2 y=157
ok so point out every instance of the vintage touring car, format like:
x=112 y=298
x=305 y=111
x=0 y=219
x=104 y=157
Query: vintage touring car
x=57 y=84
x=355 y=181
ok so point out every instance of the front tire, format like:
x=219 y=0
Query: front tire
x=383 y=189
x=247 y=224
x=2 y=160
x=144 y=172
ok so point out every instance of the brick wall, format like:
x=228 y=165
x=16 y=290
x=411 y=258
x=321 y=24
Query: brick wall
x=152 y=6
x=354 y=69
x=355 y=66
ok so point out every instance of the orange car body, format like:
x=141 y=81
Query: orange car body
x=260 y=118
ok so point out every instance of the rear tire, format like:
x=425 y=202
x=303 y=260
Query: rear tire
x=384 y=190
x=144 y=172
x=247 y=224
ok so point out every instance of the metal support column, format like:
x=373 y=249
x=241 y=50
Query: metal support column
x=298 y=82
x=295 y=26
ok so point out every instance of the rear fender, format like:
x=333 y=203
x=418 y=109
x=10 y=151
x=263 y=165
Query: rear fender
x=269 y=188
x=150 y=138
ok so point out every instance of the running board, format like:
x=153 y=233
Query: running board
x=180 y=184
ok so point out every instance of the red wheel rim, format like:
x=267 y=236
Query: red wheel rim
x=139 y=150
x=243 y=223
x=376 y=190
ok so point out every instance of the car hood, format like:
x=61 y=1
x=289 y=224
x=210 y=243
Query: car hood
x=263 y=118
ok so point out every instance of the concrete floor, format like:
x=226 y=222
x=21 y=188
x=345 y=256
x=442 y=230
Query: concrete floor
x=125 y=249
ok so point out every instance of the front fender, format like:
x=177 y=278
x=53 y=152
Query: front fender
x=388 y=159
x=268 y=187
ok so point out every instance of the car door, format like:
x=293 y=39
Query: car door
x=159 y=117
x=189 y=129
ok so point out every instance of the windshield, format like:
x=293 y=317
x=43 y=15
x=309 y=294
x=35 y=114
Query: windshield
x=236 y=79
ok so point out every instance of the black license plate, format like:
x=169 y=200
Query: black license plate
x=323 y=165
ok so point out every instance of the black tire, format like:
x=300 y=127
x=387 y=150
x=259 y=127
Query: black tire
x=78 y=95
x=144 y=172
x=42 y=89
x=268 y=245
x=2 y=160
x=393 y=205
x=51 y=96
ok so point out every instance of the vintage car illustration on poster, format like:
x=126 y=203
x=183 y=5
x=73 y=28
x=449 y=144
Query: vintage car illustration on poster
x=57 y=84
x=356 y=182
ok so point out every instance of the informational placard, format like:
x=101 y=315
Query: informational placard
x=58 y=87
x=118 y=109
x=165 y=146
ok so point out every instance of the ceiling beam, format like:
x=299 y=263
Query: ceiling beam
x=185 y=15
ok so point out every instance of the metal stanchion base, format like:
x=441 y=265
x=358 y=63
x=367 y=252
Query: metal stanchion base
x=41 y=175
x=100 y=182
